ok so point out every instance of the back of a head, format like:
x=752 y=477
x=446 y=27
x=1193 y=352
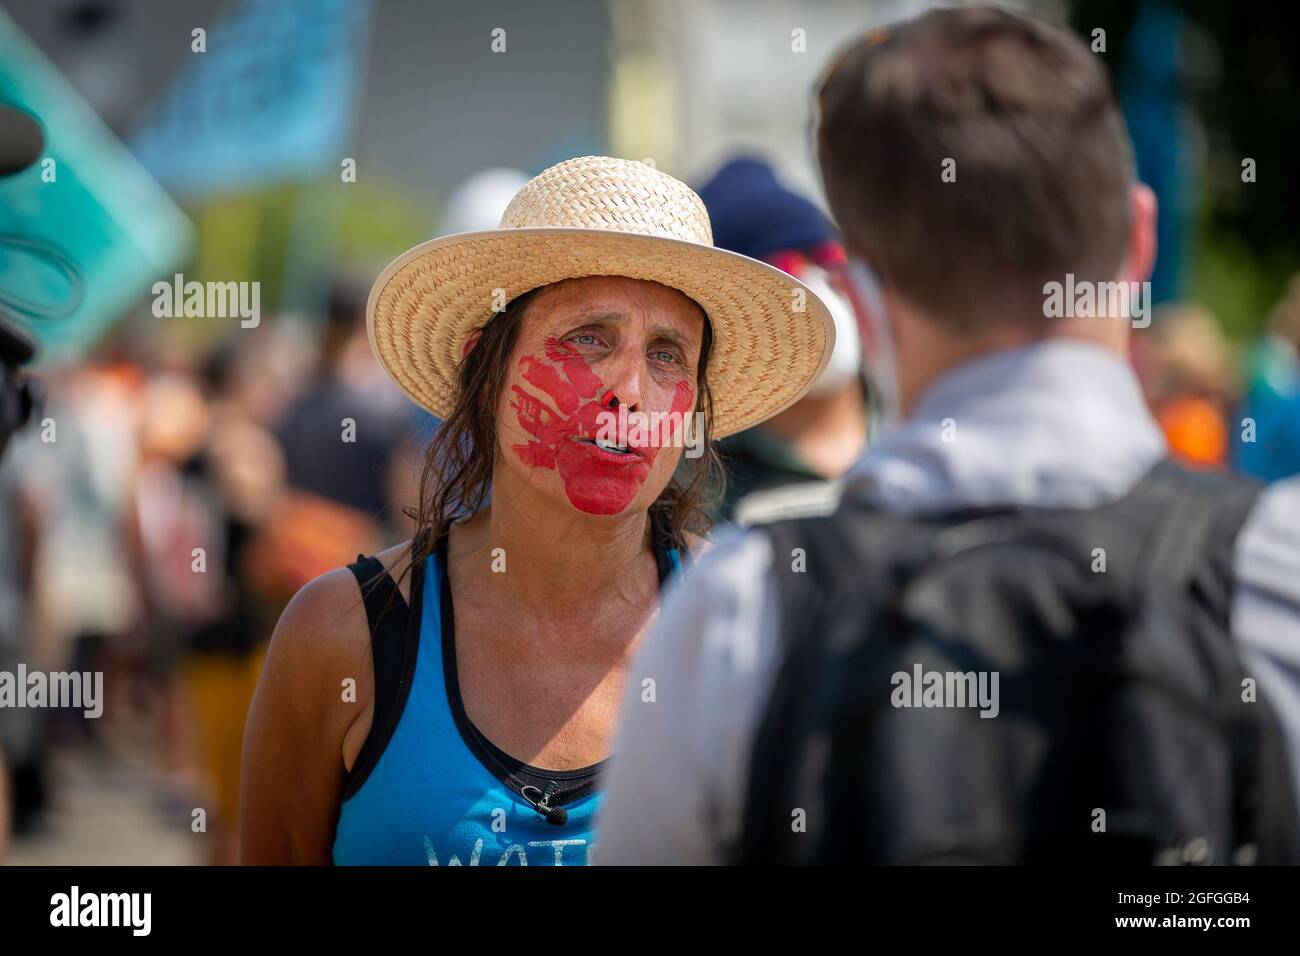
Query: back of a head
x=1189 y=353
x=345 y=316
x=1285 y=320
x=972 y=155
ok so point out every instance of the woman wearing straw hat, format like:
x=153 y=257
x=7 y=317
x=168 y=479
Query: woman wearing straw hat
x=451 y=700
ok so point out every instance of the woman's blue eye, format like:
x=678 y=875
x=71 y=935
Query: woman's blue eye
x=664 y=356
x=585 y=335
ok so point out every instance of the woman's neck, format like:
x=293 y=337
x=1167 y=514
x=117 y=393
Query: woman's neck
x=537 y=554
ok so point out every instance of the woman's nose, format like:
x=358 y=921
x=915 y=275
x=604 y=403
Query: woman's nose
x=623 y=383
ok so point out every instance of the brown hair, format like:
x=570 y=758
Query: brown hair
x=457 y=473
x=1042 y=160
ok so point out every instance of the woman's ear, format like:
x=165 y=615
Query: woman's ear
x=471 y=340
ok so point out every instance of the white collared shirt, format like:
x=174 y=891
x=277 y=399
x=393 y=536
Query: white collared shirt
x=1057 y=424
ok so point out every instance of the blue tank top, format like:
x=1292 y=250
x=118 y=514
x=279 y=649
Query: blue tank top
x=437 y=792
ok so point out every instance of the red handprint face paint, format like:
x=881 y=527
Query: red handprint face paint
x=597 y=480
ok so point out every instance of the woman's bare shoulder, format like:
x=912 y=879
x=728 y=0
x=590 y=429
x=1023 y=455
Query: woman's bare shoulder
x=323 y=629
x=323 y=625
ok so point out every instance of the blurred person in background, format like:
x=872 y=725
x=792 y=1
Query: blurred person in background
x=211 y=478
x=22 y=771
x=1188 y=379
x=18 y=401
x=172 y=525
x=338 y=437
x=1016 y=547
x=1268 y=443
x=348 y=402
x=239 y=472
x=791 y=464
x=84 y=607
x=389 y=728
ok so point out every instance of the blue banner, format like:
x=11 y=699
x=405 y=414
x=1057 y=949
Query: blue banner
x=271 y=97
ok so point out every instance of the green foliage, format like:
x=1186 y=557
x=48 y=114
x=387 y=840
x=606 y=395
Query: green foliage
x=1241 y=82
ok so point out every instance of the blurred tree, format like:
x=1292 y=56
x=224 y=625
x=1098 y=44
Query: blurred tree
x=1240 y=80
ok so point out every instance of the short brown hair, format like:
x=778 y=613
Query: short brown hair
x=1042 y=167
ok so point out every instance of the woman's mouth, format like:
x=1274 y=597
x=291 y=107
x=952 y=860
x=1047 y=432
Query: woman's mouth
x=602 y=477
x=609 y=450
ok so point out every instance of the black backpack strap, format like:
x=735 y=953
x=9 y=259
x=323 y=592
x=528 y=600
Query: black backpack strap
x=1202 y=514
x=394 y=641
x=768 y=780
x=811 y=558
x=1195 y=547
x=820 y=565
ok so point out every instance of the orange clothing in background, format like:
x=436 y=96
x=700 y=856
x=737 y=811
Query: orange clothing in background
x=1195 y=430
x=221 y=687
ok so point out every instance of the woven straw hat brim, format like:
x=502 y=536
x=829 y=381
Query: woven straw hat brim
x=765 y=352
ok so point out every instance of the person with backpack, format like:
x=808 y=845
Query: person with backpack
x=1025 y=635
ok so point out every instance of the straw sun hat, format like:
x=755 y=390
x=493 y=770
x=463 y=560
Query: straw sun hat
x=598 y=216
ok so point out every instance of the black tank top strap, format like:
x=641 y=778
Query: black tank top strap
x=661 y=542
x=382 y=595
x=394 y=640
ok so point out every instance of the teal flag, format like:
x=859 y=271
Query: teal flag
x=85 y=231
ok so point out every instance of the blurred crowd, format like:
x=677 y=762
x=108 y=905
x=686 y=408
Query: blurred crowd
x=1222 y=404
x=286 y=452
x=159 y=516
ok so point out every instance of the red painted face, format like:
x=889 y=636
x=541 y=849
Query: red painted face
x=596 y=481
